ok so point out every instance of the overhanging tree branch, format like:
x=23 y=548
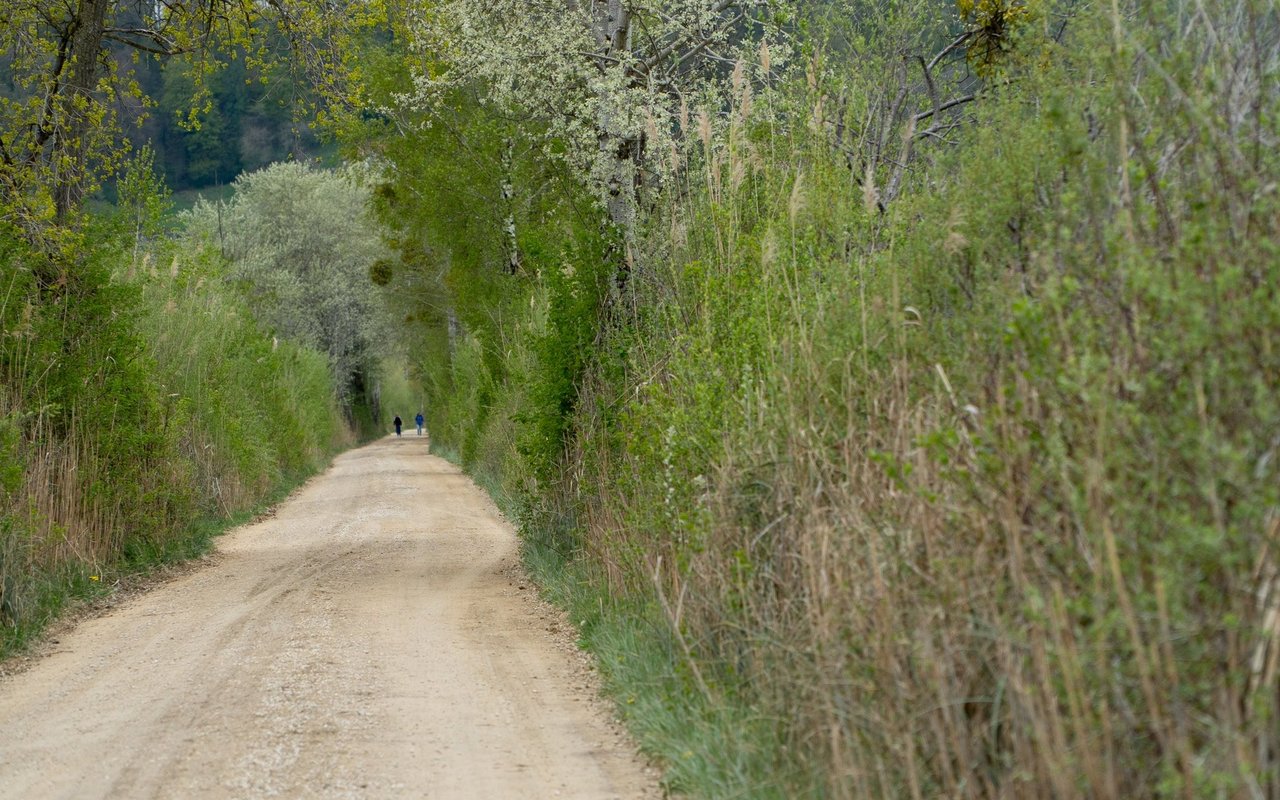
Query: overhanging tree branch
x=163 y=46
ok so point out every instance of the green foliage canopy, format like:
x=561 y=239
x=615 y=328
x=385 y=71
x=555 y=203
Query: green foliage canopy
x=70 y=66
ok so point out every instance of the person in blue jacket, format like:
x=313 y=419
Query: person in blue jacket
x=419 y=419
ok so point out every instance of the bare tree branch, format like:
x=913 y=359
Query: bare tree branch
x=933 y=90
x=657 y=58
x=944 y=52
x=163 y=47
x=952 y=103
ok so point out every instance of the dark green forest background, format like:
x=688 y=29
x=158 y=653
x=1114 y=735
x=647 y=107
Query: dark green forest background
x=253 y=117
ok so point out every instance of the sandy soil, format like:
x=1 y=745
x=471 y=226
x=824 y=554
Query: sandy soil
x=374 y=638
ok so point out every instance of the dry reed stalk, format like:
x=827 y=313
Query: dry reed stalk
x=1082 y=722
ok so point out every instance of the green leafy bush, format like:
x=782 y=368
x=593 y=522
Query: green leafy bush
x=940 y=441
x=139 y=393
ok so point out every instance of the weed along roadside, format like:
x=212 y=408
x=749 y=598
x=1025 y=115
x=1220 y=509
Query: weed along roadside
x=685 y=730
x=910 y=429
x=76 y=589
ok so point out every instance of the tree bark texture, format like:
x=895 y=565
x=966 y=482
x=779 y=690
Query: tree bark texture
x=85 y=51
x=613 y=34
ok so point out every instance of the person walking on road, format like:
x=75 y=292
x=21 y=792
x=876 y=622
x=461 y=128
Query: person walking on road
x=418 y=419
x=398 y=424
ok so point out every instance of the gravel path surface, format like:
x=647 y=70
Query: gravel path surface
x=374 y=638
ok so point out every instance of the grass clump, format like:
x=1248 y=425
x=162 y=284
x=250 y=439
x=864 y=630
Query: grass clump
x=708 y=743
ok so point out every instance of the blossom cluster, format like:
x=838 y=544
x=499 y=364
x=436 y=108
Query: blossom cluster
x=608 y=84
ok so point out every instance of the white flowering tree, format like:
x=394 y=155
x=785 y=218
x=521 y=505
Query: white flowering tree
x=612 y=80
x=300 y=243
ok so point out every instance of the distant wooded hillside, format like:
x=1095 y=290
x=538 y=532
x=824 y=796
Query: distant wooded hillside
x=251 y=117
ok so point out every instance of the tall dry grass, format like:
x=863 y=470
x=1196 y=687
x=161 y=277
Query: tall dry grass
x=54 y=502
x=131 y=406
x=976 y=495
x=942 y=437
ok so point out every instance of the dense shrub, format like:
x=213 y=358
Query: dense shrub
x=943 y=446
x=138 y=394
x=87 y=448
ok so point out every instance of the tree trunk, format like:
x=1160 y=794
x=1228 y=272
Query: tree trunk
x=613 y=35
x=613 y=26
x=78 y=103
x=509 y=203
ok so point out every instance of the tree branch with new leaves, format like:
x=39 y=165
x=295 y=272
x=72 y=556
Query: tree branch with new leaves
x=58 y=121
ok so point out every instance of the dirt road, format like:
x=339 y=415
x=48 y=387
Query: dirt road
x=372 y=639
